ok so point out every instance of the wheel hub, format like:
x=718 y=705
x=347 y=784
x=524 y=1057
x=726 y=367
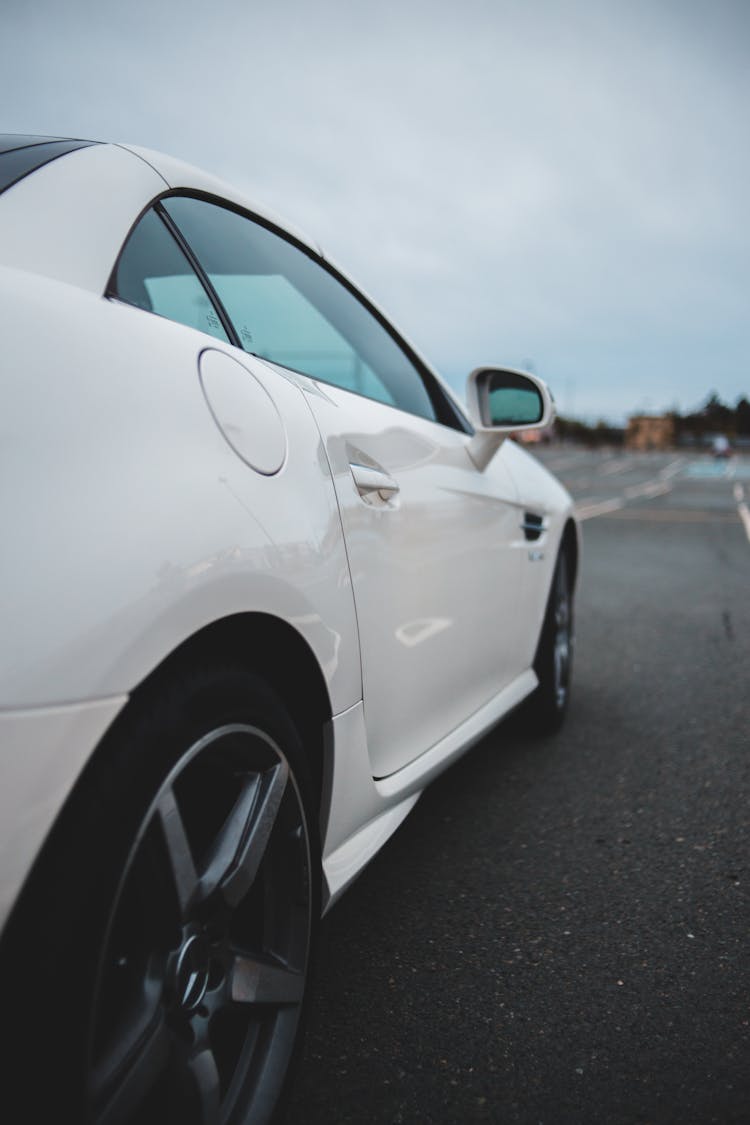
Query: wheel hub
x=192 y=971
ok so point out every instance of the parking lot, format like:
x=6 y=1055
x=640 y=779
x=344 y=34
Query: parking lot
x=559 y=931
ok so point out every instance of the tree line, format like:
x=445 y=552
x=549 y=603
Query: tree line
x=713 y=417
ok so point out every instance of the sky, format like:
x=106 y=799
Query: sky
x=560 y=185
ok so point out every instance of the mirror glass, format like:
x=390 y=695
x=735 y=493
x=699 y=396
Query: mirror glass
x=513 y=400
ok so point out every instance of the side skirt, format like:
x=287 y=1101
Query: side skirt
x=359 y=812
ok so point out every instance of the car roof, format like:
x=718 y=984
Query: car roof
x=180 y=174
x=20 y=155
x=68 y=204
x=69 y=219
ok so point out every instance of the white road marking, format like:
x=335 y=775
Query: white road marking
x=675 y=515
x=589 y=507
x=742 y=509
x=672 y=469
x=744 y=514
x=649 y=488
x=588 y=511
x=616 y=466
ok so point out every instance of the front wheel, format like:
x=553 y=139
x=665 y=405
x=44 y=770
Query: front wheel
x=548 y=705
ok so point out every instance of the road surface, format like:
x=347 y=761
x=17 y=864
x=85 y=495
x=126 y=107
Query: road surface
x=559 y=931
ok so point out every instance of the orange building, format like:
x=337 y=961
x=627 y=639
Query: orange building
x=650 y=431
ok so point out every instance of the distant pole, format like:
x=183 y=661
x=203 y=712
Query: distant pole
x=570 y=397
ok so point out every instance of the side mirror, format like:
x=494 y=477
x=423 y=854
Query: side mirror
x=501 y=402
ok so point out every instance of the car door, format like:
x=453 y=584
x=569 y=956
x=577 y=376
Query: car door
x=432 y=543
x=432 y=547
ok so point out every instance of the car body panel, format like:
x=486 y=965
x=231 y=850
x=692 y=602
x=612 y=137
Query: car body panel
x=543 y=496
x=69 y=219
x=109 y=569
x=42 y=751
x=435 y=567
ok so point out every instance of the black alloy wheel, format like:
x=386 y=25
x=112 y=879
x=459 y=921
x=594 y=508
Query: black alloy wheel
x=547 y=707
x=562 y=641
x=191 y=933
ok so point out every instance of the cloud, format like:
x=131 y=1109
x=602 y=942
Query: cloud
x=560 y=182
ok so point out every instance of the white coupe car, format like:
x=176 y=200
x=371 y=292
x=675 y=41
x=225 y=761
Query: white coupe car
x=263 y=578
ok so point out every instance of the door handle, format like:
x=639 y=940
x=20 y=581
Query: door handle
x=373 y=484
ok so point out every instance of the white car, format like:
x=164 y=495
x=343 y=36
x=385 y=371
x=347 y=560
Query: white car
x=263 y=579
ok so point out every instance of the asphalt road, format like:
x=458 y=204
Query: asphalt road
x=559 y=931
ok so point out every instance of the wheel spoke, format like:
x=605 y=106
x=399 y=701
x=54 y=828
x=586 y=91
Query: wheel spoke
x=178 y=851
x=241 y=844
x=259 y=982
x=205 y=1075
x=129 y=1069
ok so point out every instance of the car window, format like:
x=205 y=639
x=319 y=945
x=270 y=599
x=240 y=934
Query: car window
x=286 y=307
x=154 y=274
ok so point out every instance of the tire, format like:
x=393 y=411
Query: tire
x=168 y=935
x=547 y=707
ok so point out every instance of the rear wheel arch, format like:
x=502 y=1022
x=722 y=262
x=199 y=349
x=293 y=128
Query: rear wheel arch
x=275 y=663
x=276 y=652
x=265 y=645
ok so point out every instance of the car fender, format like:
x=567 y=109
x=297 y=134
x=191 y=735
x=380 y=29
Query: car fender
x=541 y=495
x=145 y=525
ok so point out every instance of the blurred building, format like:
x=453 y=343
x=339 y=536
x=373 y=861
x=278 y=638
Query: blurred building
x=537 y=437
x=650 y=431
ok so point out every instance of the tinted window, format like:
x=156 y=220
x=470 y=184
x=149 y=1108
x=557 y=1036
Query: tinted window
x=15 y=163
x=154 y=274
x=287 y=308
x=21 y=140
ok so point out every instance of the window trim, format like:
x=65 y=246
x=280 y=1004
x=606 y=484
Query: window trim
x=447 y=413
x=111 y=292
x=203 y=277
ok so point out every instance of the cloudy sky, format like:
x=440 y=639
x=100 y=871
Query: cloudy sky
x=562 y=185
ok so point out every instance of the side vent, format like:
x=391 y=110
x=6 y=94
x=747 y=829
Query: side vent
x=533 y=526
